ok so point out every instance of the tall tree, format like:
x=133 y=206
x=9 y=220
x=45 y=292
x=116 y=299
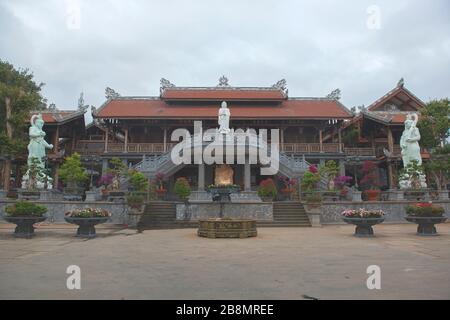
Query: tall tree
x=19 y=94
x=434 y=124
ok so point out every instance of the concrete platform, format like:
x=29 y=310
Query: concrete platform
x=281 y=263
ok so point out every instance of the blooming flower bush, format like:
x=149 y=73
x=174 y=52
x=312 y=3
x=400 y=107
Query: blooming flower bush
x=267 y=188
x=88 y=213
x=424 y=209
x=362 y=213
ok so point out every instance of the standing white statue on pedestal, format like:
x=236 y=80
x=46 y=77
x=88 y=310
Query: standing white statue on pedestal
x=409 y=143
x=36 y=151
x=224 y=118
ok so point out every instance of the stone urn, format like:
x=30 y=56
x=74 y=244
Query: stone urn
x=134 y=216
x=313 y=211
x=426 y=224
x=86 y=226
x=25 y=225
x=363 y=225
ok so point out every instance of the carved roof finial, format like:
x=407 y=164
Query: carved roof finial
x=223 y=82
x=401 y=82
x=281 y=84
x=111 y=93
x=335 y=94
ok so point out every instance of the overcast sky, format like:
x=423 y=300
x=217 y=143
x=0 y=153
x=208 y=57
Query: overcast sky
x=363 y=48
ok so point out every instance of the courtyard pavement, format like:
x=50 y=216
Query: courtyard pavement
x=281 y=263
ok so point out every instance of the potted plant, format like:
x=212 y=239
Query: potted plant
x=182 y=188
x=105 y=181
x=135 y=204
x=370 y=181
x=267 y=190
x=342 y=184
x=117 y=169
x=86 y=219
x=363 y=219
x=25 y=214
x=159 y=183
x=73 y=174
x=313 y=208
x=329 y=170
x=310 y=179
x=426 y=215
x=288 y=186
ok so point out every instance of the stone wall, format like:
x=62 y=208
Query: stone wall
x=395 y=210
x=199 y=210
x=56 y=210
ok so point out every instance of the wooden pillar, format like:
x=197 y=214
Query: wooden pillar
x=282 y=139
x=390 y=140
x=126 y=140
x=340 y=140
x=321 y=140
x=165 y=139
x=56 y=140
x=106 y=140
x=56 y=175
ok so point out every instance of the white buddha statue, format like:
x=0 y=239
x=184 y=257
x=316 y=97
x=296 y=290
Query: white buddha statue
x=224 y=118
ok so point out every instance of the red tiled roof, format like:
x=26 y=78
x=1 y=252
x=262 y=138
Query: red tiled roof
x=397 y=91
x=288 y=109
x=222 y=94
x=58 y=116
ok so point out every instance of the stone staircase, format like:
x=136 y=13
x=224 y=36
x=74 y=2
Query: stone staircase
x=162 y=215
x=287 y=214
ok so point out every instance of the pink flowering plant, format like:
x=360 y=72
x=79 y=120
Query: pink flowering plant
x=362 y=213
x=88 y=213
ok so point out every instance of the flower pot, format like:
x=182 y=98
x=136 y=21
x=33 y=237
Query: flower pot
x=134 y=216
x=25 y=228
x=364 y=225
x=86 y=226
x=426 y=224
x=372 y=195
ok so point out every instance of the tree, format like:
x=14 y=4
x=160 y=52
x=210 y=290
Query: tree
x=439 y=167
x=19 y=95
x=72 y=171
x=434 y=124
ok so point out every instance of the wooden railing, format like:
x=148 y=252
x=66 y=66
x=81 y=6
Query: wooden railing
x=98 y=147
x=311 y=147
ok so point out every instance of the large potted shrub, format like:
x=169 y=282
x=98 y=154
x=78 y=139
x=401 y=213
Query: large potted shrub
x=267 y=190
x=342 y=185
x=25 y=214
x=182 y=188
x=87 y=219
x=426 y=215
x=159 y=185
x=105 y=183
x=136 y=198
x=73 y=174
x=370 y=181
x=364 y=220
x=287 y=187
x=310 y=179
x=313 y=208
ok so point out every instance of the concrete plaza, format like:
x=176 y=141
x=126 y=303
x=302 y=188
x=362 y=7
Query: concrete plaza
x=281 y=263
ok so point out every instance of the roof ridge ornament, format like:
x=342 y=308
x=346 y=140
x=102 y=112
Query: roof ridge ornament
x=111 y=93
x=335 y=94
x=164 y=84
x=81 y=105
x=223 y=82
x=281 y=85
x=401 y=82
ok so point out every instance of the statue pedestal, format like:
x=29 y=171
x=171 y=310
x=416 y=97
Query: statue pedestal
x=91 y=196
x=245 y=196
x=200 y=196
x=356 y=196
x=396 y=195
x=443 y=194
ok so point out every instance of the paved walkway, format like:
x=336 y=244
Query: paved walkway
x=281 y=263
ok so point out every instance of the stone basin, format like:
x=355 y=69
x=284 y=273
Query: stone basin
x=227 y=228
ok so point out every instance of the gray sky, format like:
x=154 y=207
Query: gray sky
x=316 y=46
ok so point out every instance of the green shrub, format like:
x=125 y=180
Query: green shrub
x=135 y=200
x=424 y=209
x=25 y=209
x=313 y=198
x=182 y=188
x=139 y=181
x=72 y=171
